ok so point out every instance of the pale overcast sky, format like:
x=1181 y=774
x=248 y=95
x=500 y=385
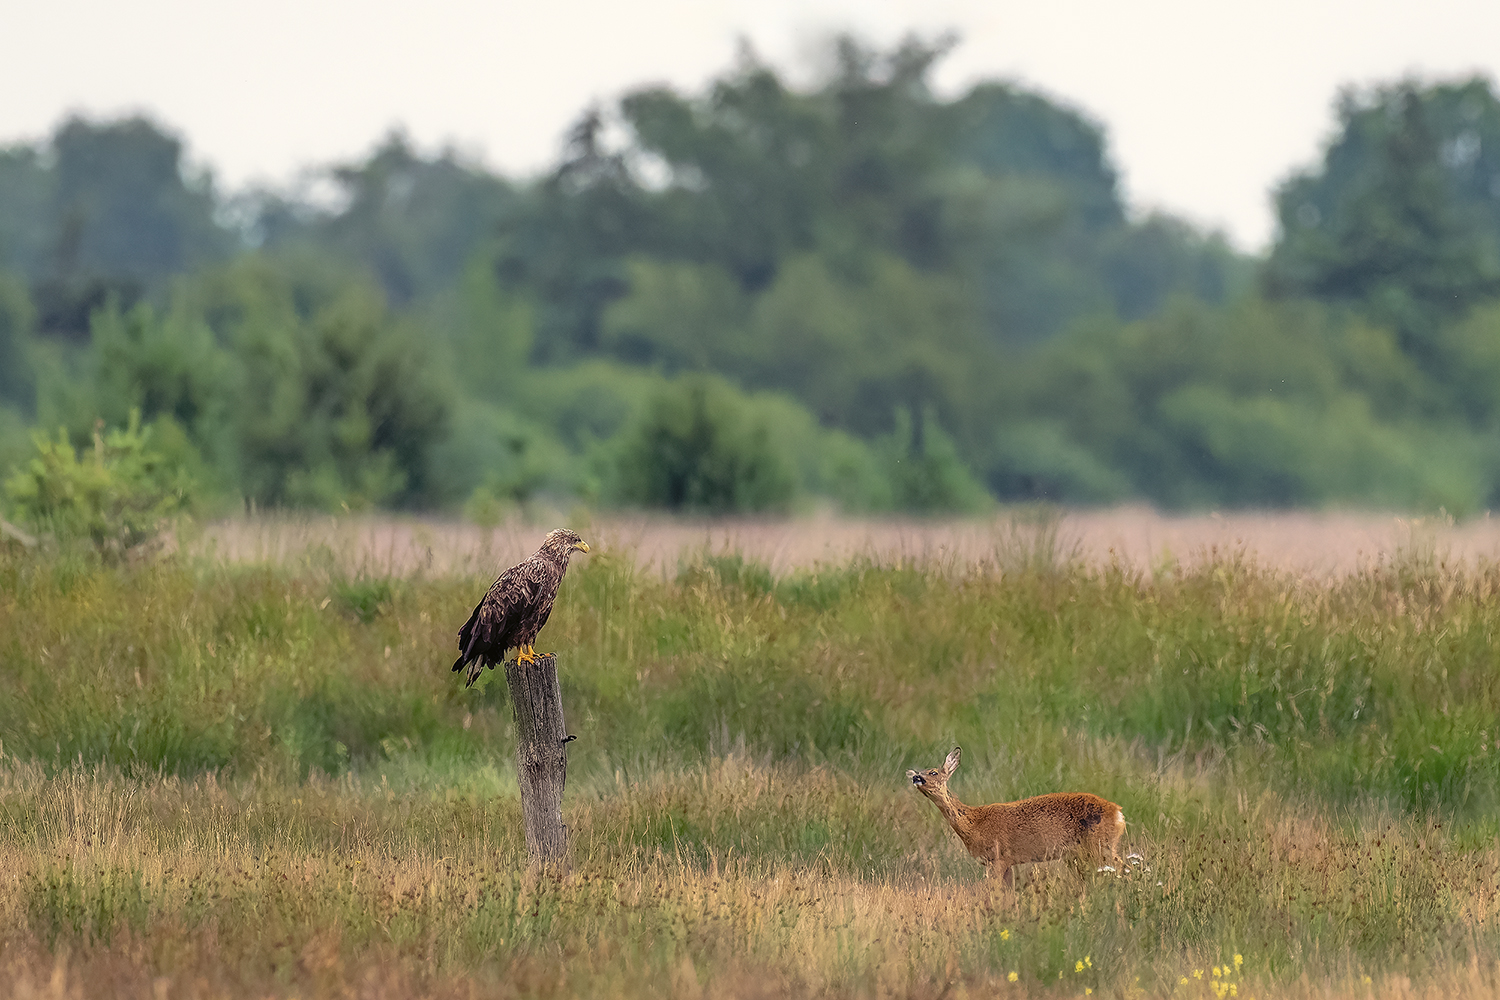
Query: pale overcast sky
x=1206 y=104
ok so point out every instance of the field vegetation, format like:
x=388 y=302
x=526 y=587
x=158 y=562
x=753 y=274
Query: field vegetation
x=259 y=778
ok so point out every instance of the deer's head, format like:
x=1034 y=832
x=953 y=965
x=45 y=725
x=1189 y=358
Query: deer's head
x=933 y=783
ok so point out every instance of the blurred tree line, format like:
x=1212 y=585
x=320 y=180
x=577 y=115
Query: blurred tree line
x=751 y=297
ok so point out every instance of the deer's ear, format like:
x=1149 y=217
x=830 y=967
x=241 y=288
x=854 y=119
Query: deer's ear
x=951 y=764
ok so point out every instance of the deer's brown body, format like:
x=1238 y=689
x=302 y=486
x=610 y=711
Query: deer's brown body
x=1043 y=828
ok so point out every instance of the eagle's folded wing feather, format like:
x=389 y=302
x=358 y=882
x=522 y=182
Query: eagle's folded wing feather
x=486 y=635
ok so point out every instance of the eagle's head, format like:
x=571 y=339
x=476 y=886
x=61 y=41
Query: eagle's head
x=563 y=542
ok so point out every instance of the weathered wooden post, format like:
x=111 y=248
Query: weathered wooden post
x=541 y=756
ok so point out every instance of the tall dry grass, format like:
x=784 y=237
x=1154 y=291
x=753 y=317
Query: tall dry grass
x=1316 y=544
x=230 y=779
x=194 y=887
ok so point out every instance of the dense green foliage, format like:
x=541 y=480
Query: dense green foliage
x=117 y=496
x=1403 y=220
x=905 y=271
x=278 y=755
x=696 y=448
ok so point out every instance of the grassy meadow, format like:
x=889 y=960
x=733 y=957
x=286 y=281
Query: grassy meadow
x=241 y=778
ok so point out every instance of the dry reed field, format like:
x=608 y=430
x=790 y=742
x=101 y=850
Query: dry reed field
x=245 y=770
x=1312 y=543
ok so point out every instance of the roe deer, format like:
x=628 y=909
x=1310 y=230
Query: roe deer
x=1043 y=828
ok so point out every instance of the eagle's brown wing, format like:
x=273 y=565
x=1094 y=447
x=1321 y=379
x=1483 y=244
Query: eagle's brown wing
x=539 y=609
x=505 y=617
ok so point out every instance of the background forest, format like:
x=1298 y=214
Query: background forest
x=755 y=298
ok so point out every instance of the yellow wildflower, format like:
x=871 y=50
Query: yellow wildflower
x=1005 y=935
x=1087 y=990
x=1077 y=966
x=1216 y=972
x=1088 y=962
x=1012 y=977
x=1182 y=981
x=1197 y=973
x=1239 y=960
x=1233 y=991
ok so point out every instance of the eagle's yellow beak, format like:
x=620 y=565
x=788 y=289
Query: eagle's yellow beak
x=581 y=546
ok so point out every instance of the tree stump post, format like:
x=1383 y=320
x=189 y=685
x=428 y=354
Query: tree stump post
x=541 y=756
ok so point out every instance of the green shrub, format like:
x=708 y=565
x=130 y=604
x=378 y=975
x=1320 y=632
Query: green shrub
x=118 y=495
x=703 y=446
x=926 y=473
x=1284 y=453
x=498 y=457
x=1036 y=458
x=339 y=402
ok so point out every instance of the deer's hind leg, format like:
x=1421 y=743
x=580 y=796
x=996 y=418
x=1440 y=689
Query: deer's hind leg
x=1114 y=829
x=1102 y=843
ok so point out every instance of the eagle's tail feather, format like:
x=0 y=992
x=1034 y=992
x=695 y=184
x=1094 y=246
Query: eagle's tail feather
x=468 y=639
x=476 y=667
